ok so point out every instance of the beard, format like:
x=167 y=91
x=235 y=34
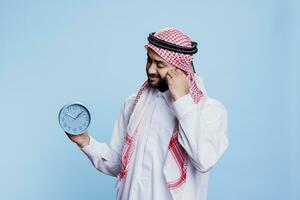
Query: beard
x=161 y=84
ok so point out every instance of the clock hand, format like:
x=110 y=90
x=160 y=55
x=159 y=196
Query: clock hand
x=71 y=116
x=78 y=114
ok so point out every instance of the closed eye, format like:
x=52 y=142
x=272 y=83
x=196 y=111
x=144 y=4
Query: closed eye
x=159 y=63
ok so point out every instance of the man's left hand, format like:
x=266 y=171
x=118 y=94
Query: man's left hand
x=178 y=83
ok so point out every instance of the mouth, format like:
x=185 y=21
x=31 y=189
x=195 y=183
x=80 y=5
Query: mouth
x=152 y=78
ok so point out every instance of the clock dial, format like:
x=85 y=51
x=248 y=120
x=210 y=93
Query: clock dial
x=74 y=118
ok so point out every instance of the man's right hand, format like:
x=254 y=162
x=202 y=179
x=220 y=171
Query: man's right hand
x=81 y=140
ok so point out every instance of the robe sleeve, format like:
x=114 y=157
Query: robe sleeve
x=107 y=158
x=202 y=130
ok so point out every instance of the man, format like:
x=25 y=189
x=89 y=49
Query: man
x=169 y=134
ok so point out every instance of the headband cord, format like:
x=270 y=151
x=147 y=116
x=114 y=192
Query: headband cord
x=172 y=47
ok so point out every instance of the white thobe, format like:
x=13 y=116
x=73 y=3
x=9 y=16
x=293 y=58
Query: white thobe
x=202 y=133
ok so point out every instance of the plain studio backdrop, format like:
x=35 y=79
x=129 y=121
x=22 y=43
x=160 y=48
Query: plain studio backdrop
x=54 y=52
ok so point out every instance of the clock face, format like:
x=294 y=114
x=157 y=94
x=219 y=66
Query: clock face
x=74 y=118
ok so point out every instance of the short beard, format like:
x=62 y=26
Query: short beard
x=161 y=85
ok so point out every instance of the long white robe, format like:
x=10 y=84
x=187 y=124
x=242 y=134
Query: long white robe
x=202 y=133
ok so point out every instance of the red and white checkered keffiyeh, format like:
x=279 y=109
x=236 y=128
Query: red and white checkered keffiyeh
x=144 y=95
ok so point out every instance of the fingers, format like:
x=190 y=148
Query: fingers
x=174 y=72
x=170 y=75
x=168 y=78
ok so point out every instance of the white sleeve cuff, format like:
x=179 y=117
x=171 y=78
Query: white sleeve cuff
x=184 y=105
x=95 y=149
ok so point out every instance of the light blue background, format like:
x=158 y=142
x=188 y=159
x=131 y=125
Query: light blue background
x=54 y=52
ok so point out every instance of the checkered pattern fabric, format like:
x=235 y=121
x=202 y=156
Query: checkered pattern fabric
x=180 y=156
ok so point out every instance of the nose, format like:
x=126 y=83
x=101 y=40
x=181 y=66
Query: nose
x=152 y=68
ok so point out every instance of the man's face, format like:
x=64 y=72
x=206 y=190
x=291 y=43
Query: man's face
x=157 y=69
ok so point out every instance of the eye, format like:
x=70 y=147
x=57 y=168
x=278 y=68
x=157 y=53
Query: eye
x=160 y=65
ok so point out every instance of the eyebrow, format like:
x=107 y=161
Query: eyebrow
x=157 y=61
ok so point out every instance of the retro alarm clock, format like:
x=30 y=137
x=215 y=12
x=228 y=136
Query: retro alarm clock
x=74 y=118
